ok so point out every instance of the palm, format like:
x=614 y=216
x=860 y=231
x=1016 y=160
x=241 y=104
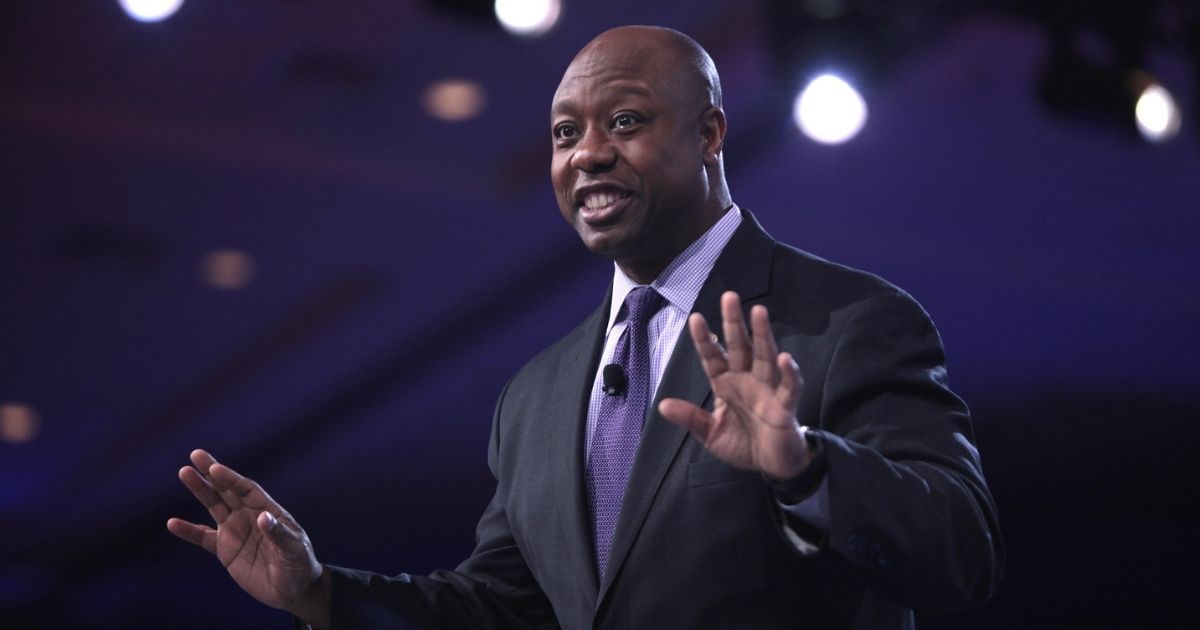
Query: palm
x=751 y=429
x=256 y=564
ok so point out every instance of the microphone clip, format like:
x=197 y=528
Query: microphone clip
x=613 y=382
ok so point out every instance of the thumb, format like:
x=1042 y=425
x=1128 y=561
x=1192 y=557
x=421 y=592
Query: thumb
x=278 y=532
x=688 y=416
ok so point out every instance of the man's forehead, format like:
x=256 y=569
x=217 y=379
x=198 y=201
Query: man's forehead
x=625 y=54
x=614 y=77
x=607 y=81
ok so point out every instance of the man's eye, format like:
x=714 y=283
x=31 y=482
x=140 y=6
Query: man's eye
x=622 y=121
x=564 y=132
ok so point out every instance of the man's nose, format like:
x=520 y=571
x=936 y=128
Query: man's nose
x=594 y=153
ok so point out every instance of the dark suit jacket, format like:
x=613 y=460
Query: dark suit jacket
x=699 y=544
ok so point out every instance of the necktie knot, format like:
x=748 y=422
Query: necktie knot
x=641 y=304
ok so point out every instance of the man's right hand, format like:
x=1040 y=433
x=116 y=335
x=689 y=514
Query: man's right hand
x=265 y=551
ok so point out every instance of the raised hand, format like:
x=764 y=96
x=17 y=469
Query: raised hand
x=753 y=424
x=265 y=551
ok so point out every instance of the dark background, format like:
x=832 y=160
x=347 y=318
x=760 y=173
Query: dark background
x=404 y=267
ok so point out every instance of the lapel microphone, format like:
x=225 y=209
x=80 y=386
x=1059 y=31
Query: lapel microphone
x=614 y=380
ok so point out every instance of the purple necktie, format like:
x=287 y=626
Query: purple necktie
x=619 y=422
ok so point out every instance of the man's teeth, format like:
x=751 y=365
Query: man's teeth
x=600 y=200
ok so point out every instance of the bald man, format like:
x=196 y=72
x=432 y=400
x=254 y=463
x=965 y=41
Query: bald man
x=809 y=469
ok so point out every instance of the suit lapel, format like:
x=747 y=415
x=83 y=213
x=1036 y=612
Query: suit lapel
x=743 y=266
x=566 y=453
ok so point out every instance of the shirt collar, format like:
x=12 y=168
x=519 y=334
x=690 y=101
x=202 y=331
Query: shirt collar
x=681 y=281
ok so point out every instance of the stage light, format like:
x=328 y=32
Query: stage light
x=150 y=10
x=454 y=100
x=528 y=18
x=1116 y=96
x=18 y=422
x=1097 y=72
x=227 y=269
x=829 y=110
x=1157 y=115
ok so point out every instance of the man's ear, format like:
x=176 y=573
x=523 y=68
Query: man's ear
x=712 y=135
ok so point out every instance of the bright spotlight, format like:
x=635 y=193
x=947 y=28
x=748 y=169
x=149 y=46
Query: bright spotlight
x=829 y=110
x=150 y=10
x=1157 y=114
x=528 y=18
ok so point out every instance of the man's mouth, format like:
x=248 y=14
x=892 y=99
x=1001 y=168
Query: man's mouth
x=602 y=206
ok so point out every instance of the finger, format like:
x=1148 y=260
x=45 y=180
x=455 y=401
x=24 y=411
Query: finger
x=205 y=463
x=199 y=535
x=239 y=491
x=204 y=492
x=224 y=483
x=791 y=385
x=737 y=338
x=765 y=348
x=712 y=356
x=689 y=416
x=202 y=461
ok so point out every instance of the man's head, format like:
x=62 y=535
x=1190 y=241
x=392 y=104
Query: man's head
x=638 y=129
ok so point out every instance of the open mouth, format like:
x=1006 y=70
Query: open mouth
x=602 y=206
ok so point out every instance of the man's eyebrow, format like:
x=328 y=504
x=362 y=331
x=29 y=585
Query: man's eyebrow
x=636 y=90
x=568 y=105
x=563 y=106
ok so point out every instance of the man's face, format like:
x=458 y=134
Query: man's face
x=628 y=169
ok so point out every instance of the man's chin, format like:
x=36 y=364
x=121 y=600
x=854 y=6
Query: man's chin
x=601 y=245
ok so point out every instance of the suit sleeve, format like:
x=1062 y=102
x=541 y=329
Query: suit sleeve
x=493 y=588
x=910 y=515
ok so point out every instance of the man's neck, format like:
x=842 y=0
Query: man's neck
x=646 y=271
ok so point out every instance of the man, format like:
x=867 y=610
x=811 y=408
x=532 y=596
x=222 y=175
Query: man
x=745 y=496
